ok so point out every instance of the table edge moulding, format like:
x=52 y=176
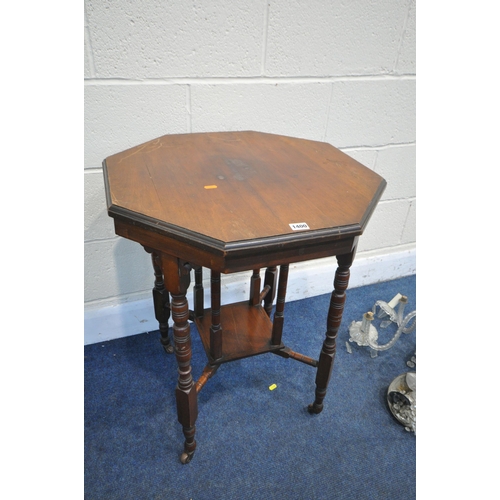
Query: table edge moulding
x=232 y=202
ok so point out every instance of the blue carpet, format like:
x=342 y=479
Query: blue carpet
x=253 y=443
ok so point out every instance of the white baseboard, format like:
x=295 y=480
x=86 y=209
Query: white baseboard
x=305 y=280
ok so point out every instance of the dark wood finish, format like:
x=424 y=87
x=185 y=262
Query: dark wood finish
x=296 y=180
x=334 y=318
x=300 y=249
x=161 y=302
x=270 y=284
x=230 y=202
x=215 y=328
x=177 y=279
x=208 y=372
x=286 y=352
x=198 y=292
x=265 y=182
x=264 y=293
x=246 y=332
x=278 y=319
x=255 y=288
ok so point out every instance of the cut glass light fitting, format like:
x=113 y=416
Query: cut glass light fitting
x=402 y=392
x=364 y=333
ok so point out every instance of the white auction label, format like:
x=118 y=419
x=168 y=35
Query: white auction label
x=298 y=226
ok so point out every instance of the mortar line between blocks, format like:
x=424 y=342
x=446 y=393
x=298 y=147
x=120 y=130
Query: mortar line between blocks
x=246 y=80
x=377 y=147
x=410 y=199
x=92 y=170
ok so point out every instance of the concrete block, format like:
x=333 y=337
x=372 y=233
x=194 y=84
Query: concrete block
x=87 y=67
x=397 y=165
x=410 y=229
x=407 y=54
x=118 y=117
x=115 y=268
x=372 y=113
x=366 y=157
x=293 y=109
x=373 y=267
x=97 y=224
x=385 y=226
x=318 y=38
x=176 y=39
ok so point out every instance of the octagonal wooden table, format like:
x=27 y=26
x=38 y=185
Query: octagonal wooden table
x=230 y=202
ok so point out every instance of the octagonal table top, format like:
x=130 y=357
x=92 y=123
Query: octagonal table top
x=231 y=189
x=234 y=186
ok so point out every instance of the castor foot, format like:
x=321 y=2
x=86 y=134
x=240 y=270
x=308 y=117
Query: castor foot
x=165 y=343
x=169 y=349
x=186 y=457
x=313 y=408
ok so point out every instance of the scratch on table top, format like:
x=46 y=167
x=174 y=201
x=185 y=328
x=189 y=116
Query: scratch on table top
x=154 y=185
x=147 y=148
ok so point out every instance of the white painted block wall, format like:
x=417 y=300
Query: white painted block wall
x=333 y=71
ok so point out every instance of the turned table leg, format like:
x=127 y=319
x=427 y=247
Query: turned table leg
x=280 y=306
x=215 y=327
x=161 y=302
x=335 y=311
x=198 y=293
x=255 y=287
x=177 y=279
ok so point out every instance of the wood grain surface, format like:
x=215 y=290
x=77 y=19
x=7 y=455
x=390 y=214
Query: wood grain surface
x=238 y=186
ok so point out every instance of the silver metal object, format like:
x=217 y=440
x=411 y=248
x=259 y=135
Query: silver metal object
x=402 y=400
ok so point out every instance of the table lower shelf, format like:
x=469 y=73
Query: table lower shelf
x=246 y=331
